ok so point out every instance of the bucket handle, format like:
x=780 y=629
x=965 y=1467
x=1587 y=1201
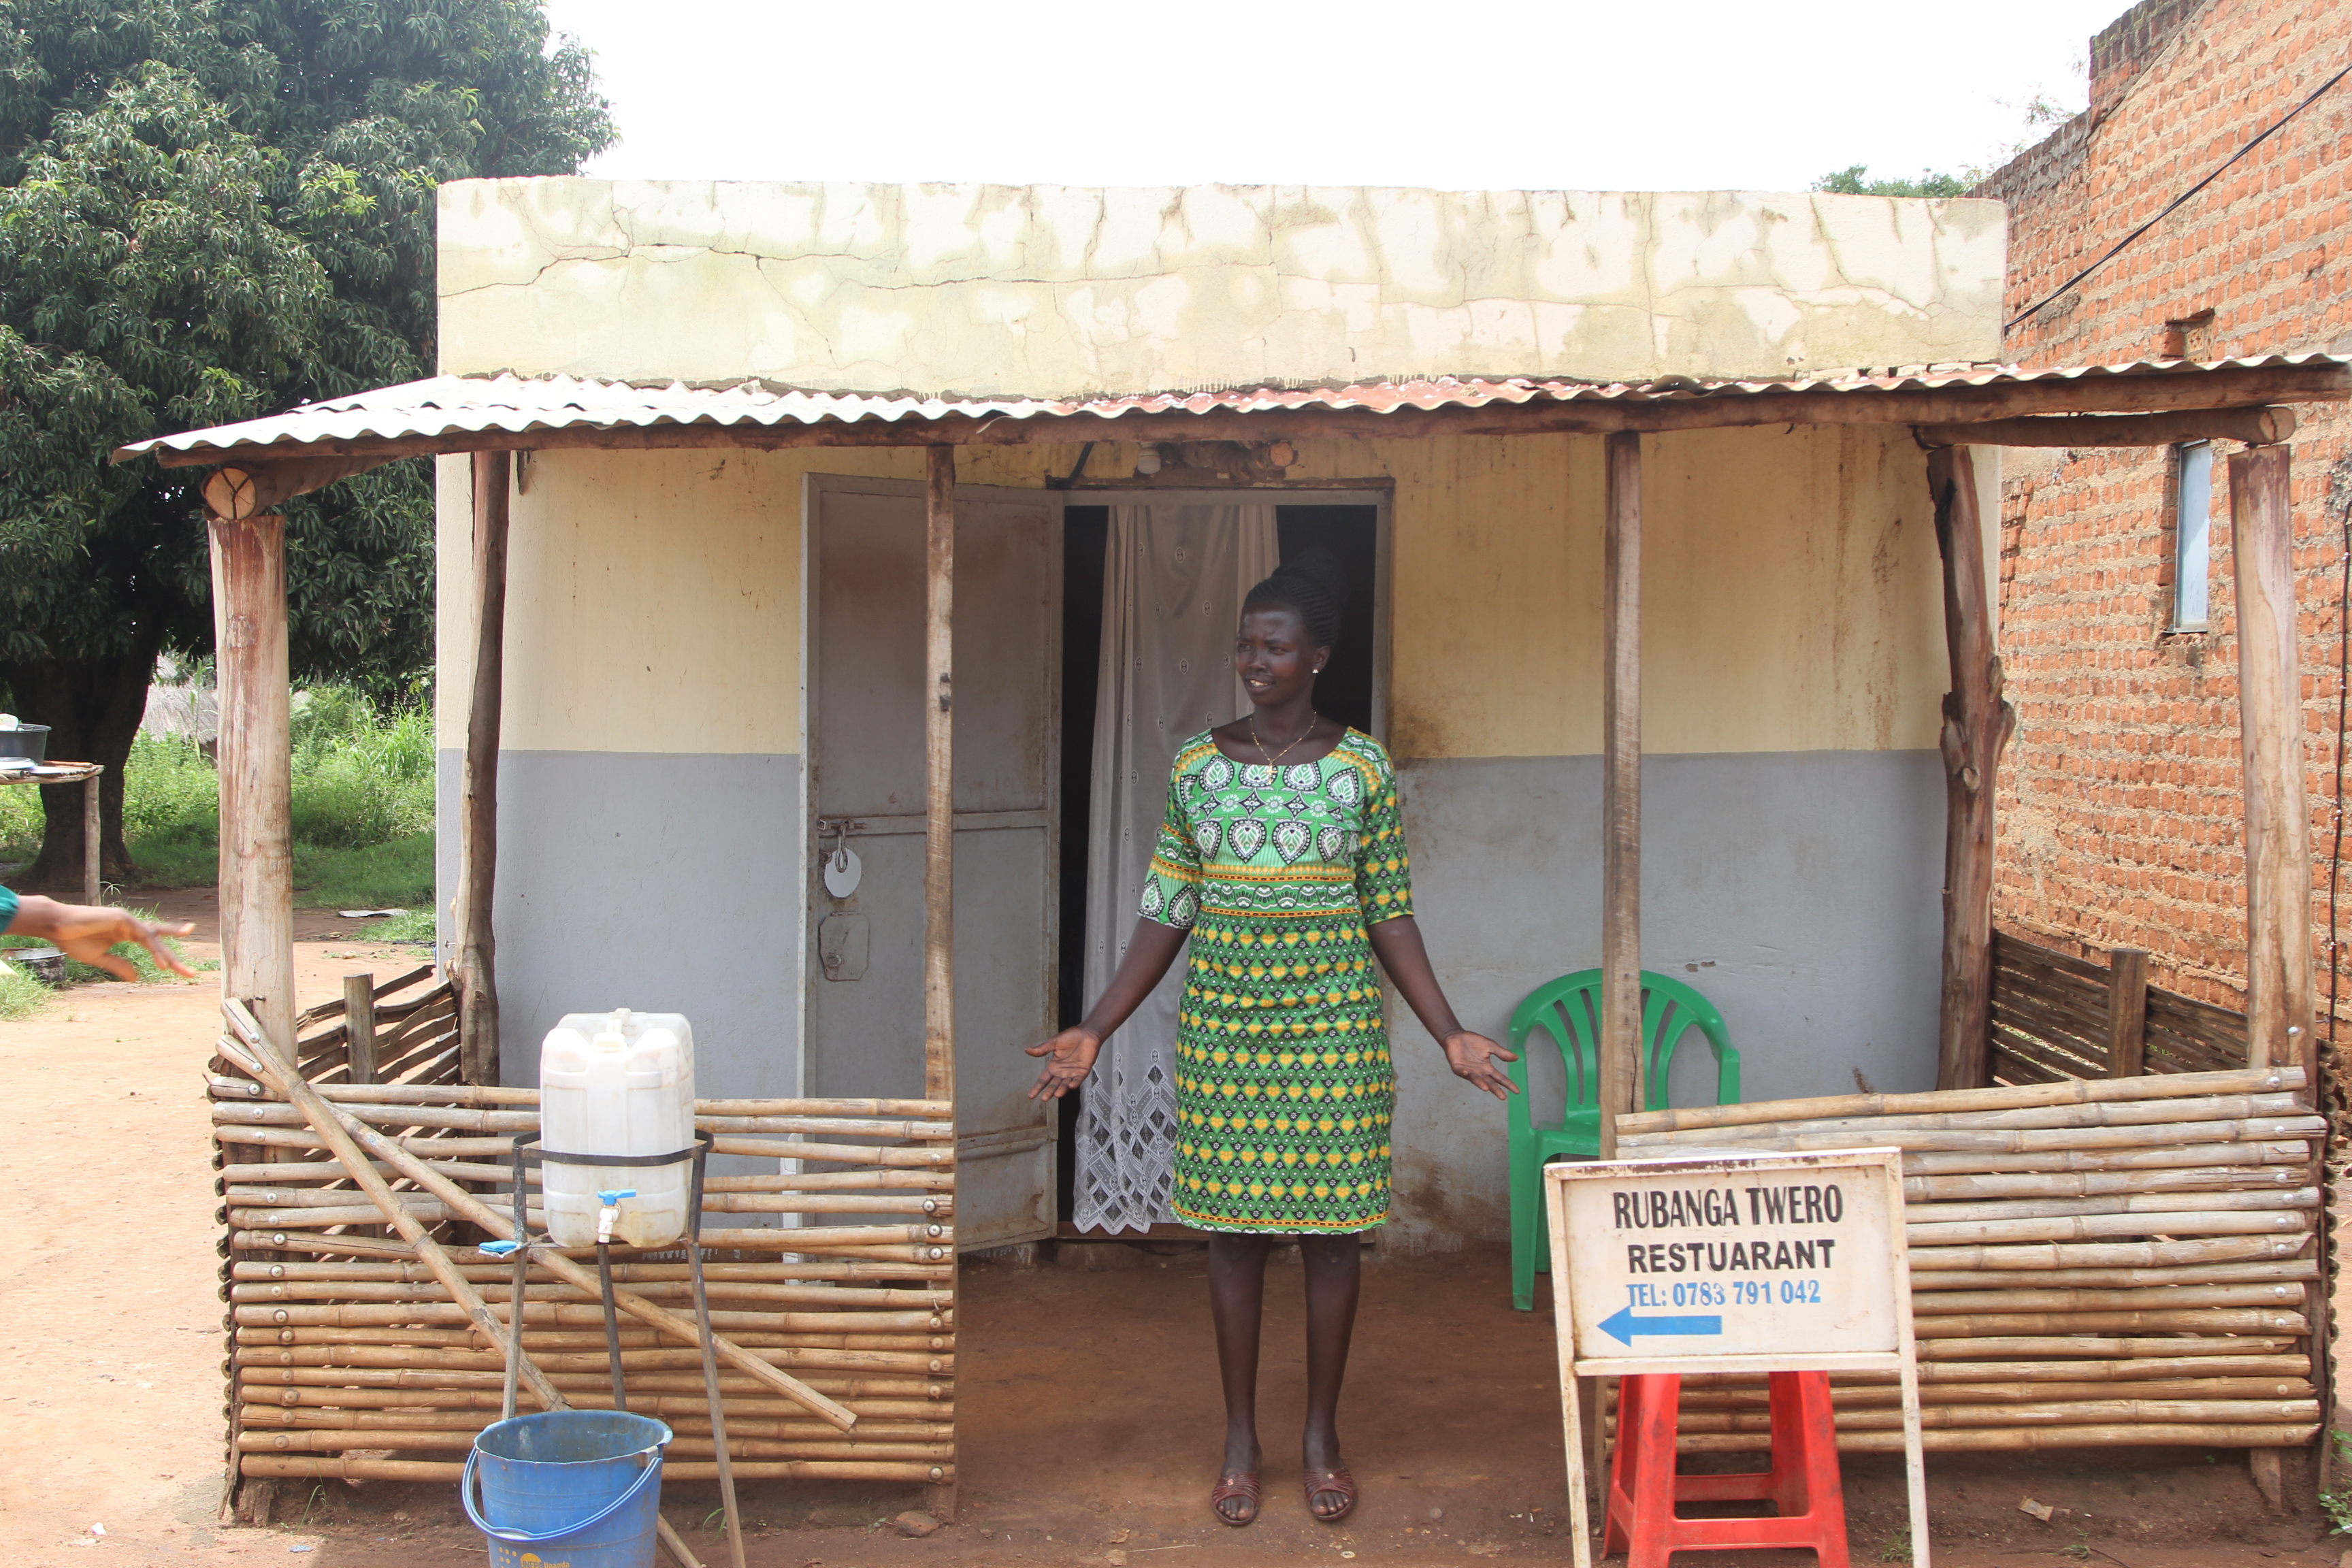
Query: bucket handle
x=651 y=1472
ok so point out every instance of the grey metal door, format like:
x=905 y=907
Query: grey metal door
x=864 y=985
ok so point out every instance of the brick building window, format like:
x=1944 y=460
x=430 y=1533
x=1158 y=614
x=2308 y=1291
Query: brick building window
x=2192 y=555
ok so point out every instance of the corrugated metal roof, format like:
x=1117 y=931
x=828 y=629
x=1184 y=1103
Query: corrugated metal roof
x=449 y=406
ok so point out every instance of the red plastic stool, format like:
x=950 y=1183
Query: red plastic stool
x=1802 y=1482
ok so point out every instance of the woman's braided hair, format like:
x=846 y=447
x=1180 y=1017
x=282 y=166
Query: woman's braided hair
x=1313 y=584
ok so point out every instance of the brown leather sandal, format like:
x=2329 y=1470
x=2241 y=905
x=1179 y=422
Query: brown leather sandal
x=1242 y=1484
x=1318 y=1483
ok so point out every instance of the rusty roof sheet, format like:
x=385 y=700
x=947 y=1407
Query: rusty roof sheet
x=450 y=406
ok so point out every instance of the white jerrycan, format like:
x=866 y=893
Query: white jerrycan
x=617 y=1083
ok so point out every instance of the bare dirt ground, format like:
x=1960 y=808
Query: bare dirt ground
x=1089 y=1402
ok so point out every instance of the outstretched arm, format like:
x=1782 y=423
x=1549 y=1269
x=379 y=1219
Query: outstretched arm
x=1472 y=1056
x=1071 y=1054
x=88 y=933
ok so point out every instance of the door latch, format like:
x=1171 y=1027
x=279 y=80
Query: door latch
x=842 y=865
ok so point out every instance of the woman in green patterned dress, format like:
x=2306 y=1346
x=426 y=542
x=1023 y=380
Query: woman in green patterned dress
x=1283 y=858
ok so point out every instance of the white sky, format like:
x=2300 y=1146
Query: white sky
x=1461 y=94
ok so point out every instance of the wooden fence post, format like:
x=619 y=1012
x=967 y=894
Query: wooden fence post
x=359 y=1024
x=1977 y=726
x=2126 y=1013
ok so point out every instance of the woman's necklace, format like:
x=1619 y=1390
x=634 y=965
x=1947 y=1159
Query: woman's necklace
x=1273 y=759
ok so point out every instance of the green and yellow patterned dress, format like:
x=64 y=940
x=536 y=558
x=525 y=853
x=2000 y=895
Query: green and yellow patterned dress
x=1284 y=1087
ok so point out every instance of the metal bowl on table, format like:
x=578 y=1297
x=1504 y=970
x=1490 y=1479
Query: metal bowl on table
x=46 y=964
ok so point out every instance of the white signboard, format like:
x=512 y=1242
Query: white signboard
x=1732 y=1262
x=1725 y=1258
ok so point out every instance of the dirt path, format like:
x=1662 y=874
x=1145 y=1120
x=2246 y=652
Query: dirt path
x=111 y=1384
x=1088 y=1406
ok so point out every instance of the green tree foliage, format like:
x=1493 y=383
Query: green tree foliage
x=1854 y=180
x=212 y=210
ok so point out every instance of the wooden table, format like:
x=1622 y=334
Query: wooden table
x=87 y=776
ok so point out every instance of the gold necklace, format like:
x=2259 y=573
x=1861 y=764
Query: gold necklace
x=1273 y=759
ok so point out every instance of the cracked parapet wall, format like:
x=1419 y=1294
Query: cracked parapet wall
x=1052 y=291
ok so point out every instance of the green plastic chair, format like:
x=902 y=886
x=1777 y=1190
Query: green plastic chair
x=1567 y=1013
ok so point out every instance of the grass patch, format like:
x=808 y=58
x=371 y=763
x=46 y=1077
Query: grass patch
x=21 y=995
x=417 y=925
x=397 y=875
x=361 y=808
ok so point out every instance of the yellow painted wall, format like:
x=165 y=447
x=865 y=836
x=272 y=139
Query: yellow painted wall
x=654 y=598
x=1791 y=592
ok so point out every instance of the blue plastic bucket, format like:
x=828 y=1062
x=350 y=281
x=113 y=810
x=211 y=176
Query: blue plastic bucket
x=568 y=1488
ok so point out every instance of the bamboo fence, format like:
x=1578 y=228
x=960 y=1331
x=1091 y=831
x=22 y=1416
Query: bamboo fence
x=2058 y=1017
x=348 y=1358
x=2110 y=1261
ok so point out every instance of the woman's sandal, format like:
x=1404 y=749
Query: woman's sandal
x=1321 y=1482
x=1242 y=1484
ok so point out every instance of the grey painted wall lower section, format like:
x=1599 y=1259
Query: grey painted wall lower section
x=664 y=883
x=1804 y=887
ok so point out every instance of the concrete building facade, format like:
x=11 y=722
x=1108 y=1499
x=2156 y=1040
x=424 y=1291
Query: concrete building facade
x=661 y=603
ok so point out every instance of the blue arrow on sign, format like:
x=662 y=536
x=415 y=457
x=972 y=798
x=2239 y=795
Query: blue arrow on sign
x=1621 y=1325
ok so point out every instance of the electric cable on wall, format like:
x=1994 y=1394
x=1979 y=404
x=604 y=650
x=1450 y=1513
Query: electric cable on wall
x=2116 y=249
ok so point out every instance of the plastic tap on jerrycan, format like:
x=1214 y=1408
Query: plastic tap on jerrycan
x=618 y=1083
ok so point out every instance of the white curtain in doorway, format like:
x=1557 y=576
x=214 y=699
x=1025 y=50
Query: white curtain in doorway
x=1173 y=577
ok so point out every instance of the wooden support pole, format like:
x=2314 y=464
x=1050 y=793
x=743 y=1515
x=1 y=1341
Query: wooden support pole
x=2126 y=1013
x=2280 y=996
x=359 y=1024
x=477 y=1025
x=939 y=777
x=2258 y=427
x=1977 y=726
x=2269 y=1479
x=939 y=810
x=257 y=784
x=1621 y=796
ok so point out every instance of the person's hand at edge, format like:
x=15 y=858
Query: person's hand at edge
x=88 y=933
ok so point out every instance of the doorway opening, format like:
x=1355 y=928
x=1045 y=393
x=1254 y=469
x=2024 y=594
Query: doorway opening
x=1349 y=690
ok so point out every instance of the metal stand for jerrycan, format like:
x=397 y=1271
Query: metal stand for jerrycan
x=524 y=1155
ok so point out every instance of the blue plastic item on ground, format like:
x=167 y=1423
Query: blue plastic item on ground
x=568 y=1488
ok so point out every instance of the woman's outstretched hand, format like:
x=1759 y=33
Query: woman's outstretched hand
x=1473 y=1057
x=1071 y=1056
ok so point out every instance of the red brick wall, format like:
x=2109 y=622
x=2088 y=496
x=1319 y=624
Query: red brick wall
x=2120 y=802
